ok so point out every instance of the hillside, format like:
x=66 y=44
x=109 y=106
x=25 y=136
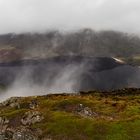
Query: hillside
x=84 y=42
x=84 y=116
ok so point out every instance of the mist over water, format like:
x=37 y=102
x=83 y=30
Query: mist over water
x=55 y=81
x=70 y=74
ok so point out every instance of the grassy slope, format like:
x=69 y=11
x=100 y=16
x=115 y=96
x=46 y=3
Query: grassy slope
x=118 y=116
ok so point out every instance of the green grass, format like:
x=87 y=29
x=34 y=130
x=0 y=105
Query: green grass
x=62 y=123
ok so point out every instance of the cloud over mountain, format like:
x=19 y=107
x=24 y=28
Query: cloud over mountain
x=36 y=15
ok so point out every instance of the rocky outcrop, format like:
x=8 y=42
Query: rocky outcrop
x=12 y=102
x=18 y=134
x=15 y=103
x=85 y=111
x=18 y=128
x=22 y=132
x=31 y=117
x=3 y=124
x=33 y=104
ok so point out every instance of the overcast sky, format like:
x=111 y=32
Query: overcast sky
x=40 y=15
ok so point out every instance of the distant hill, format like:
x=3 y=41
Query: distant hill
x=84 y=42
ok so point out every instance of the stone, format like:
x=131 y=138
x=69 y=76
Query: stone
x=31 y=117
x=33 y=104
x=85 y=111
x=12 y=102
x=6 y=135
x=23 y=134
x=3 y=124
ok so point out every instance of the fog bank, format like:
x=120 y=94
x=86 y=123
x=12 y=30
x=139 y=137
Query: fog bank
x=67 y=74
x=38 y=16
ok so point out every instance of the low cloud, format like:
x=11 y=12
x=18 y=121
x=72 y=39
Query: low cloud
x=39 y=16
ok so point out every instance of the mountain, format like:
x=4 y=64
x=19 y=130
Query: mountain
x=85 y=42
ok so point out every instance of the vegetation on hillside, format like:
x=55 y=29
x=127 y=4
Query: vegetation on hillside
x=84 y=42
x=84 y=116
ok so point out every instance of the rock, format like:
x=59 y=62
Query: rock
x=21 y=133
x=85 y=111
x=33 y=104
x=4 y=120
x=2 y=136
x=6 y=135
x=24 y=134
x=31 y=117
x=3 y=124
x=12 y=102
